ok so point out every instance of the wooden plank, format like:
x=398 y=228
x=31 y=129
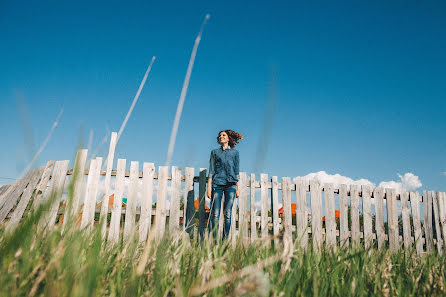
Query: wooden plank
x=392 y=219
x=354 y=202
x=189 y=196
x=405 y=214
x=113 y=232
x=72 y=208
x=11 y=189
x=343 y=216
x=233 y=231
x=415 y=205
x=367 y=215
x=286 y=204
x=330 y=216
x=316 y=214
x=427 y=209
x=264 y=207
x=243 y=209
x=439 y=242
x=3 y=189
x=275 y=208
x=301 y=212
x=378 y=195
x=202 y=200
x=145 y=219
x=91 y=194
x=107 y=191
x=132 y=200
x=253 y=207
x=56 y=190
x=175 y=199
x=24 y=200
x=442 y=213
x=12 y=196
x=160 y=218
x=43 y=184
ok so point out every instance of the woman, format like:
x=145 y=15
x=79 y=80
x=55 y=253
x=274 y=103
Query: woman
x=223 y=179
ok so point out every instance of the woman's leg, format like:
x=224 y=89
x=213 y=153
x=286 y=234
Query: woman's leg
x=227 y=208
x=214 y=216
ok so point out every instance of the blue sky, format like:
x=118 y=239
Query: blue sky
x=359 y=87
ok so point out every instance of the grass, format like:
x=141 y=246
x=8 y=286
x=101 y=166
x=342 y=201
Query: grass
x=73 y=262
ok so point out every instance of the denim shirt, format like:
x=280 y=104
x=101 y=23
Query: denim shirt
x=224 y=166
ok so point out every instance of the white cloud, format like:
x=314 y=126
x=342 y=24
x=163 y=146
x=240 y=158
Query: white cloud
x=444 y=173
x=336 y=179
x=408 y=182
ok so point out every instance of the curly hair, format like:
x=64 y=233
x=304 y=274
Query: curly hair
x=233 y=136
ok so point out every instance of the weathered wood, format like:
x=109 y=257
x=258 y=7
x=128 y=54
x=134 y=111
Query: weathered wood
x=286 y=205
x=378 y=195
x=264 y=207
x=11 y=189
x=367 y=215
x=132 y=199
x=439 y=242
x=316 y=213
x=3 y=189
x=354 y=201
x=233 y=231
x=201 y=202
x=189 y=196
x=275 y=208
x=243 y=209
x=415 y=205
x=145 y=219
x=392 y=218
x=91 y=195
x=343 y=216
x=78 y=178
x=113 y=232
x=160 y=218
x=24 y=200
x=55 y=191
x=405 y=214
x=442 y=213
x=301 y=212
x=330 y=218
x=428 y=230
x=43 y=184
x=175 y=199
x=107 y=192
x=253 y=207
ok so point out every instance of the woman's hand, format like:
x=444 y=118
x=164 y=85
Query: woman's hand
x=209 y=192
x=237 y=192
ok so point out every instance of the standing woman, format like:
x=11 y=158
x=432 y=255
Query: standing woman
x=223 y=179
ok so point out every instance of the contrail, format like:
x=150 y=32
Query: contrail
x=135 y=99
x=90 y=141
x=43 y=145
x=101 y=143
x=173 y=134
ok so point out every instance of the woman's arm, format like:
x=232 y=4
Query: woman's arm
x=211 y=174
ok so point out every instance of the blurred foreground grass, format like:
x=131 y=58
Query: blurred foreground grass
x=77 y=263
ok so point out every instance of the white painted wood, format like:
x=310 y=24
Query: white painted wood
x=253 y=207
x=330 y=219
x=24 y=200
x=145 y=218
x=378 y=194
x=55 y=192
x=392 y=218
x=316 y=214
x=439 y=242
x=115 y=221
x=78 y=180
x=201 y=203
x=91 y=194
x=354 y=202
x=189 y=207
x=243 y=209
x=132 y=200
x=367 y=215
x=264 y=207
x=233 y=232
x=43 y=184
x=405 y=214
x=415 y=205
x=343 y=216
x=286 y=204
x=428 y=230
x=301 y=212
x=175 y=199
x=275 y=208
x=107 y=191
x=160 y=217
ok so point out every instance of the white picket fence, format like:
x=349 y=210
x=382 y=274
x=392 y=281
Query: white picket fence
x=263 y=212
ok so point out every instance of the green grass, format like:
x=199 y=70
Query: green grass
x=76 y=263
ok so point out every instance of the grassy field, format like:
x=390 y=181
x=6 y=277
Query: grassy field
x=76 y=263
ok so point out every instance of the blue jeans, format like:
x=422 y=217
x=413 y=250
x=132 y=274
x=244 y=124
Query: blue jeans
x=217 y=195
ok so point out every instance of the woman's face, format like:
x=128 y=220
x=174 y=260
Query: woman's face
x=223 y=138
